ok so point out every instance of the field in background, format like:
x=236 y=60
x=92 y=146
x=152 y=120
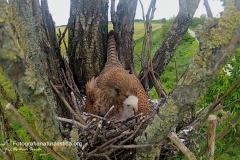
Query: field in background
x=139 y=28
x=138 y=31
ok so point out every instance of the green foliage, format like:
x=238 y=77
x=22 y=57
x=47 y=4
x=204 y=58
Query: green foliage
x=165 y=27
x=227 y=147
x=163 y=20
x=200 y=20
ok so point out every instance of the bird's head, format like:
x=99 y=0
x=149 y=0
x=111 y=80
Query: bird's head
x=131 y=102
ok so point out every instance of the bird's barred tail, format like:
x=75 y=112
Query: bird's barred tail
x=112 y=55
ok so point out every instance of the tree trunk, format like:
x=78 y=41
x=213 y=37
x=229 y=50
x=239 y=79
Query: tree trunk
x=26 y=61
x=123 y=25
x=87 y=38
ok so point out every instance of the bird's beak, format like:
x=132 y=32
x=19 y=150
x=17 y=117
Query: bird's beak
x=135 y=109
x=127 y=94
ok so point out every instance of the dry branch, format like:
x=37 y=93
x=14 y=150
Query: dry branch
x=24 y=123
x=208 y=9
x=174 y=138
x=72 y=122
x=147 y=63
x=212 y=123
x=67 y=105
x=62 y=35
x=176 y=68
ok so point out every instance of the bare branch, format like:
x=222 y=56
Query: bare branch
x=212 y=123
x=174 y=138
x=131 y=146
x=67 y=105
x=229 y=127
x=208 y=9
x=62 y=35
x=95 y=116
x=72 y=121
x=24 y=123
x=176 y=68
x=217 y=95
x=227 y=106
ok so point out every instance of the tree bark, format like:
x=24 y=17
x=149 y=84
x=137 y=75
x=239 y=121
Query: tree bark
x=217 y=45
x=25 y=63
x=123 y=25
x=87 y=38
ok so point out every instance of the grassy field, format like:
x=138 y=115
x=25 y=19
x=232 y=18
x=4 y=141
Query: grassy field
x=139 y=28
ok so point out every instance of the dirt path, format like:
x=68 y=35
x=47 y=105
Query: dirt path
x=192 y=33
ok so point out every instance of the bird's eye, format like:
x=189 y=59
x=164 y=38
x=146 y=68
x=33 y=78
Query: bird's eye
x=128 y=105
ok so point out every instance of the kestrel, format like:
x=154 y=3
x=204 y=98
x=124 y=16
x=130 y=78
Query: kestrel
x=116 y=87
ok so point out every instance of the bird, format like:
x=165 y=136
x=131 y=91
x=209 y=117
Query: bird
x=116 y=87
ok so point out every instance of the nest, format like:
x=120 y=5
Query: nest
x=100 y=137
x=104 y=138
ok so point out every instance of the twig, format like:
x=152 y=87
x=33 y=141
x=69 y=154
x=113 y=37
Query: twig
x=147 y=42
x=221 y=107
x=105 y=144
x=224 y=132
x=110 y=109
x=95 y=116
x=107 y=157
x=65 y=45
x=64 y=75
x=134 y=133
x=217 y=95
x=229 y=127
x=99 y=126
x=75 y=104
x=144 y=63
x=176 y=68
x=62 y=35
x=226 y=94
x=72 y=122
x=212 y=123
x=132 y=146
x=213 y=106
x=128 y=119
x=174 y=138
x=24 y=123
x=67 y=105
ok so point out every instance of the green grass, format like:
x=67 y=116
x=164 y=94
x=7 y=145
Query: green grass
x=139 y=28
x=183 y=55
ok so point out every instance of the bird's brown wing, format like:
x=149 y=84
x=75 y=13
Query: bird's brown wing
x=91 y=91
x=118 y=81
x=98 y=101
x=138 y=90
